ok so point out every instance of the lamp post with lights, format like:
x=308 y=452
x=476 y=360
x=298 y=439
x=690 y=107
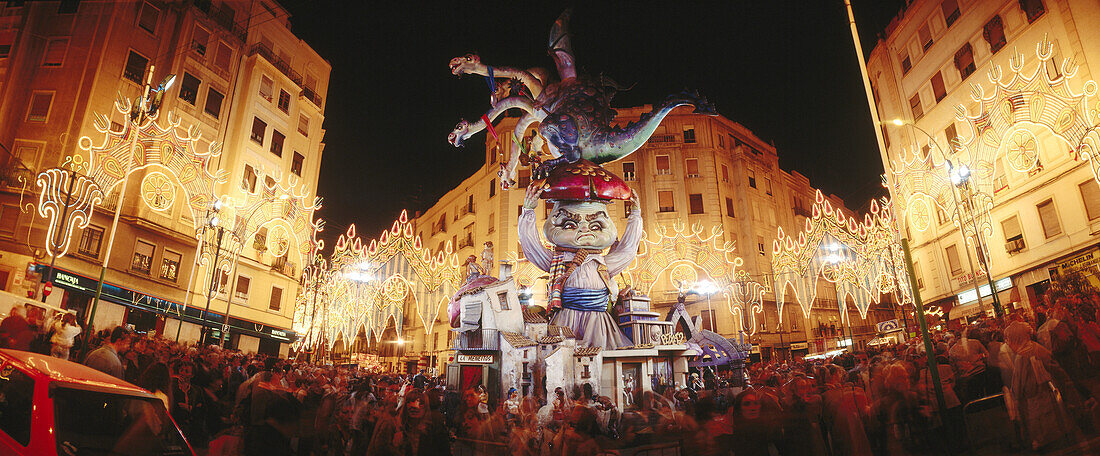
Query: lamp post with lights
x=144 y=110
x=960 y=177
x=212 y=222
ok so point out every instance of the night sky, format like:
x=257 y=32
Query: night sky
x=784 y=69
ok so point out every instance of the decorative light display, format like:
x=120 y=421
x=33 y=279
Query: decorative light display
x=62 y=187
x=169 y=152
x=367 y=287
x=1003 y=126
x=682 y=254
x=863 y=259
x=287 y=213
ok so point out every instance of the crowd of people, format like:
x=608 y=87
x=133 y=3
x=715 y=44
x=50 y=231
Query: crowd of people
x=1041 y=371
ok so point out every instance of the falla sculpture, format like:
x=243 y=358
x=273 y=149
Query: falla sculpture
x=573 y=113
x=575 y=123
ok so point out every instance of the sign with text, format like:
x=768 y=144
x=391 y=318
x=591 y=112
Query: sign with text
x=888 y=326
x=1087 y=264
x=475 y=359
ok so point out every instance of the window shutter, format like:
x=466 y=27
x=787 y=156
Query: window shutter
x=55 y=52
x=1090 y=192
x=1048 y=216
x=1011 y=227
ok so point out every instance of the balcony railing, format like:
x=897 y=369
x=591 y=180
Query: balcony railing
x=17 y=175
x=662 y=139
x=478 y=339
x=282 y=65
x=312 y=95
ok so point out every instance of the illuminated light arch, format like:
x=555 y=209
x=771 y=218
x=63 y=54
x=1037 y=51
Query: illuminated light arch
x=1003 y=125
x=290 y=208
x=85 y=195
x=691 y=252
x=861 y=258
x=172 y=147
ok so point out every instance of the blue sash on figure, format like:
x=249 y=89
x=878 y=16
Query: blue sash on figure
x=585 y=299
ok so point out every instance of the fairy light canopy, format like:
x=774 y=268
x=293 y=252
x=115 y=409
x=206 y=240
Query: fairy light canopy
x=861 y=258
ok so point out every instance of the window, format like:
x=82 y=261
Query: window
x=725 y=173
x=241 y=291
x=951 y=134
x=1000 y=179
x=721 y=141
x=695 y=203
x=994 y=34
x=284 y=101
x=492 y=188
x=664 y=165
x=950 y=10
x=768 y=185
x=918 y=275
x=135 y=67
x=1033 y=9
x=90 y=241
x=259 y=129
x=16 y=405
x=964 y=61
x=68 y=6
x=267 y=88
x=492 y=223
x=200 y=37
x=55 y=52
x=277 y=140
x=1090 y=193
x=752 y=178
x=665 y=202
x=269 y=182
x=27 y=155
x=524 y=178
x=39 y=109
x=1012 y=231
x=627 y=207
x=303 y=125
x=906 y=64
x=689 y=134
x=148 y=17
x=248 y=180
x=915 y=106
x=941 y=216
x=214 y=102
x=276 y=298
x=189 y=88
x=296 y=165
x=925 y=37
x=586 y=372
x=224 y=56
x=503 y=298
x=1048 y=216
x=938 y=89
x=7 y=37
x=953 y=262
x=170 y=265
x=760 y=245
x=115 y=126
x=143 y=257
x=729 y=208
x=9 y=219
x=628 y=171
x=692 y=165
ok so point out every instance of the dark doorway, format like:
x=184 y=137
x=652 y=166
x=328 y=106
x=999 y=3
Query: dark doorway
x=269 y=346
x=143 y=321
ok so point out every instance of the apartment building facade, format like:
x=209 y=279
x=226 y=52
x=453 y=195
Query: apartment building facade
x=61 y=63
x=1045 y=219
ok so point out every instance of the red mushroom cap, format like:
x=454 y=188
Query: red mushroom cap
x=584 y=181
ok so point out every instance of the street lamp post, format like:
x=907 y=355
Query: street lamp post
x=960 y=176
x=146 y=107
x=212 y=222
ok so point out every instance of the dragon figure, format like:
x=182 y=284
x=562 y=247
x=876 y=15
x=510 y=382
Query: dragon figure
x=574 y=114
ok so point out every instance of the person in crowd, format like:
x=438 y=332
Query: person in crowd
x=65 y=330
x=158 y=380
x=106 y=358
x=16 y=331
x=1037 y=381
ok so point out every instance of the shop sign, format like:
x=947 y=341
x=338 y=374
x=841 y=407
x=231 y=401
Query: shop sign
x=1087 y=264
x=971 y=295
x=888 y=326
x=475 y=359
x=800 y=346
x=672 y=338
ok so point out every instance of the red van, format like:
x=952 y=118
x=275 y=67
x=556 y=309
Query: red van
x=50 y=406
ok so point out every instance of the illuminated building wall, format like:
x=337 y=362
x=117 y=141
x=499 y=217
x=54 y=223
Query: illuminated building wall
x=1042 y=218
x=698 y=161
x=71 y=60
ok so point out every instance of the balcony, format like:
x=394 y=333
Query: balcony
x=798 y=210
x=313 y=97
x=285 y=267
x=478 y=339
x=464 y=212
x=663 y=140
x=17 y=175
x=224 y=15
x=280 y=64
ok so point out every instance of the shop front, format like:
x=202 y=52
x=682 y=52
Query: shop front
x=152 y=314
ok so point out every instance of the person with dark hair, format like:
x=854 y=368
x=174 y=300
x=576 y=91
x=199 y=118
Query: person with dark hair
x=158 y=381
x=105 y=358
x=272 y=436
